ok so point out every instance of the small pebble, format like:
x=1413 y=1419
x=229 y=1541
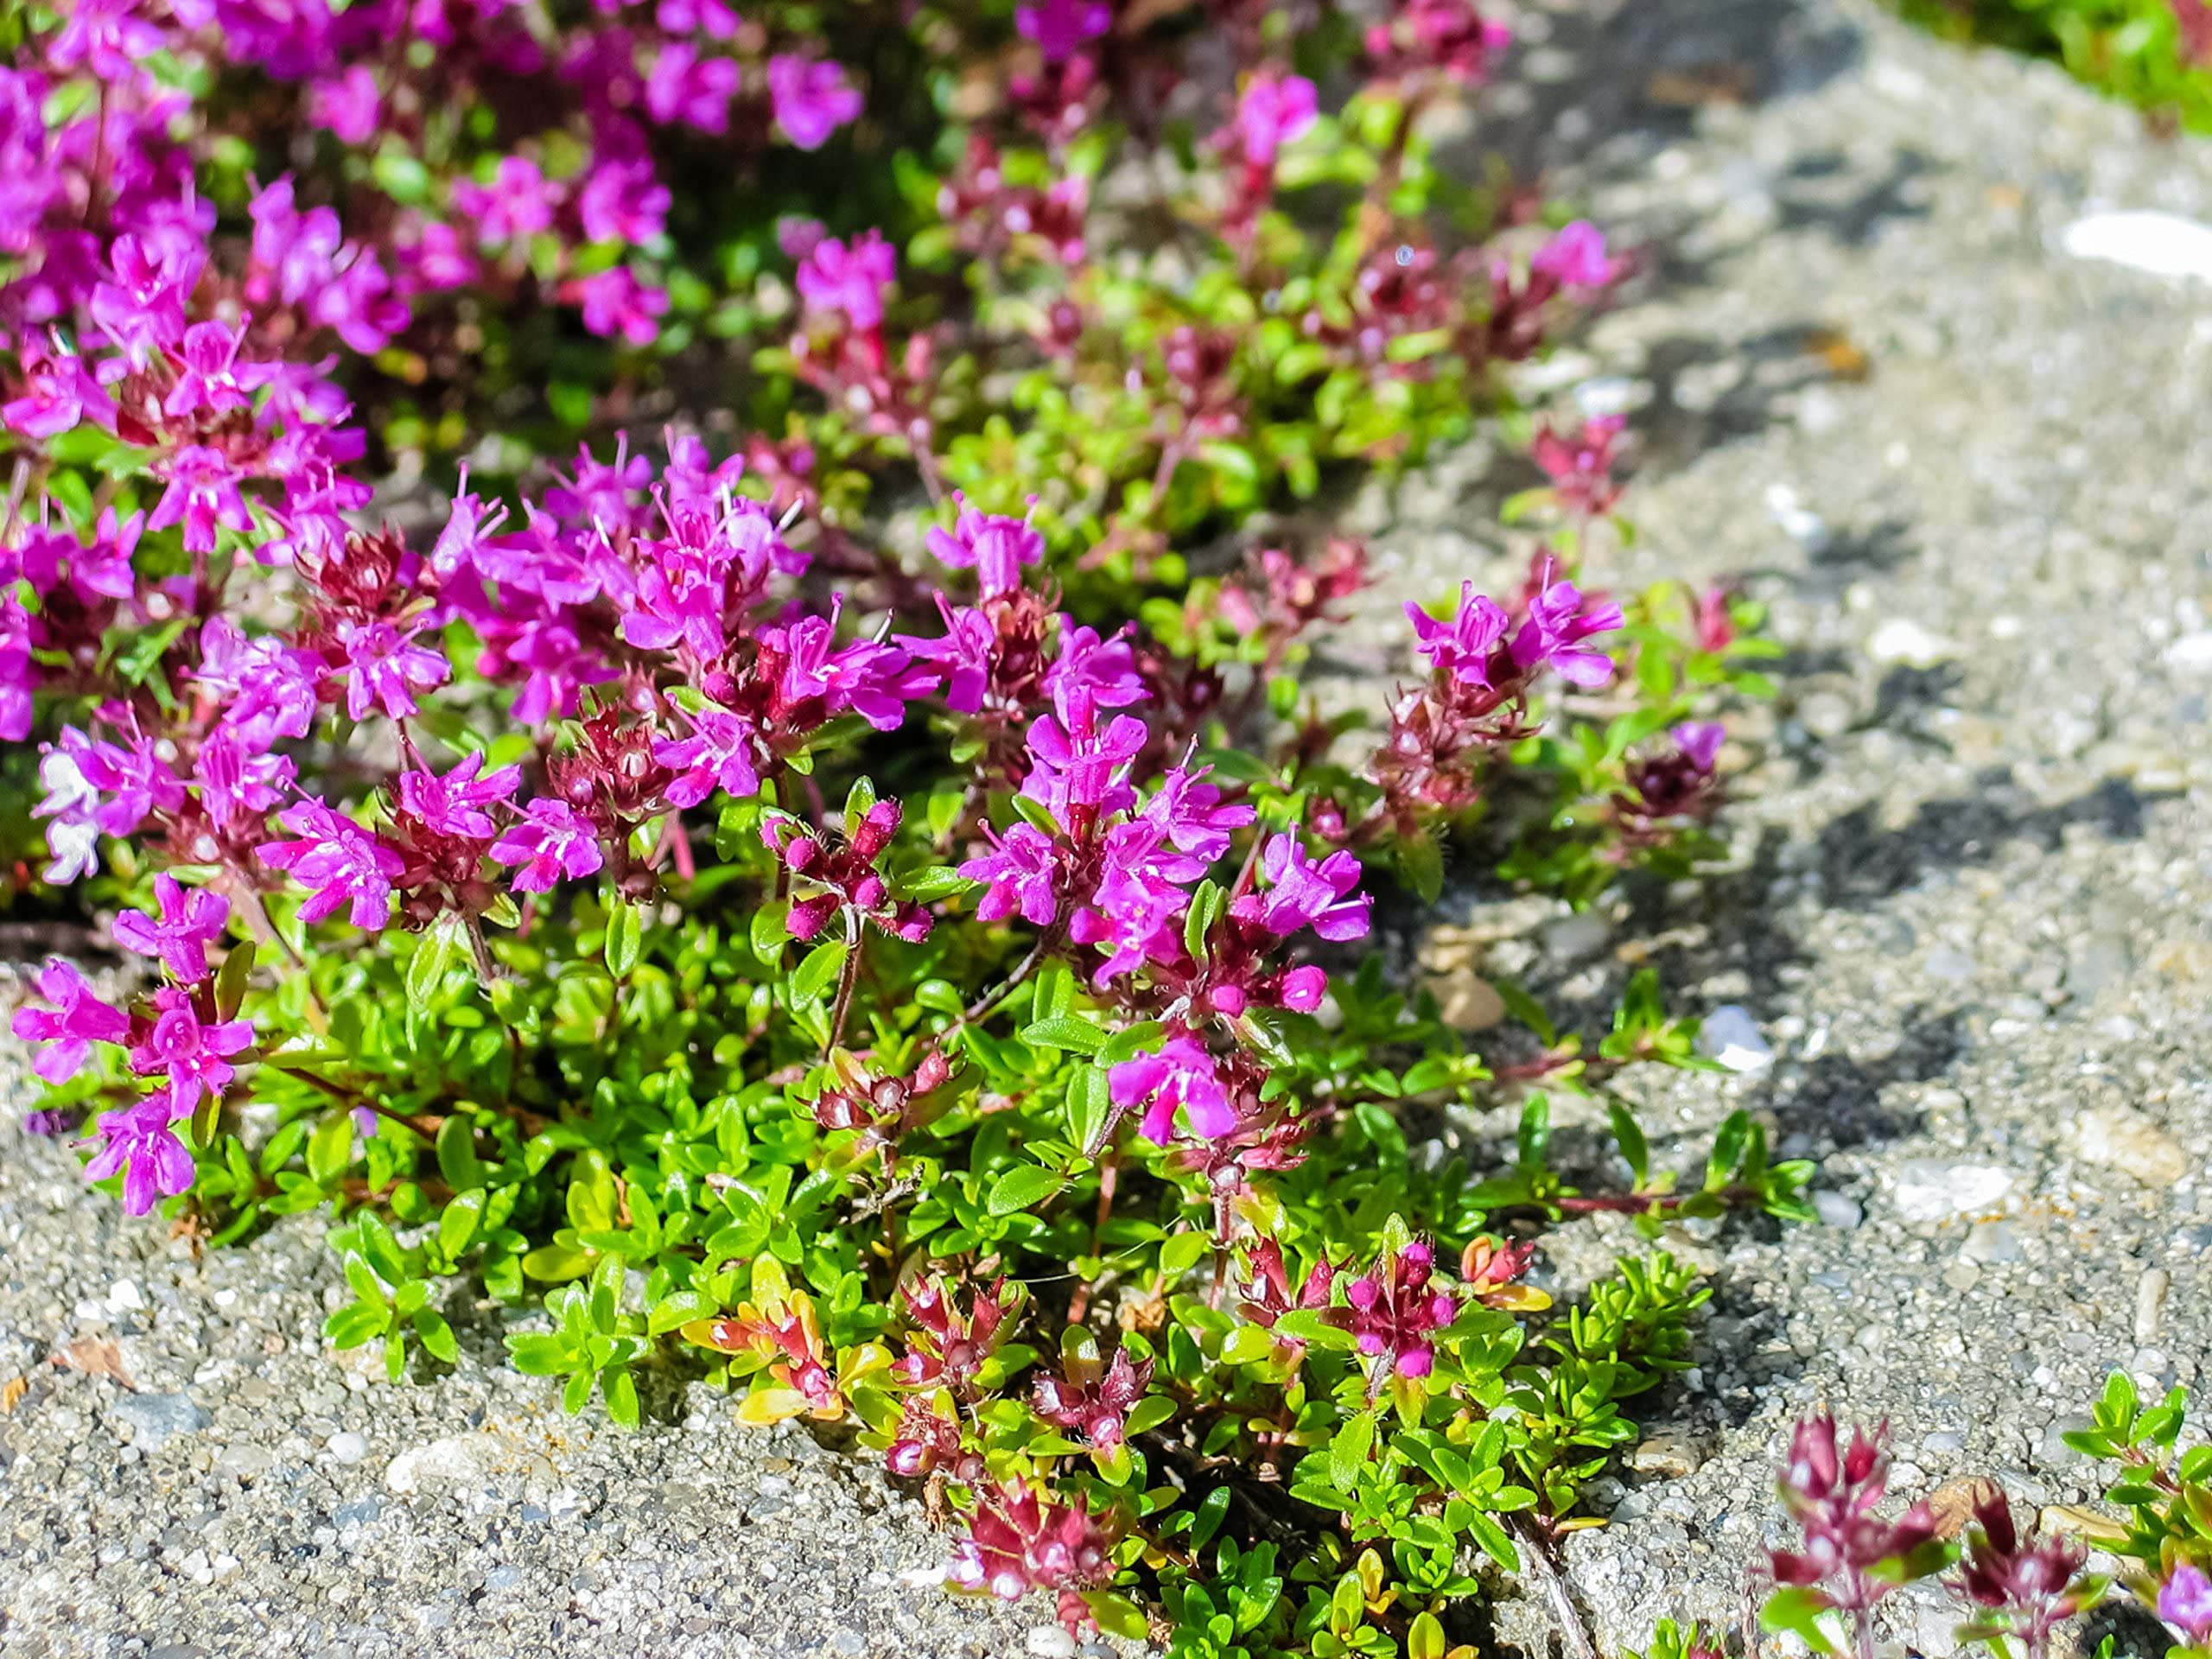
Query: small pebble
x=1731 y=1037
x=1837 y=1212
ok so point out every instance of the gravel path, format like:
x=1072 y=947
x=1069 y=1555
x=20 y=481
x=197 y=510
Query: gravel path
x=1971 y=906
x=1970 y=912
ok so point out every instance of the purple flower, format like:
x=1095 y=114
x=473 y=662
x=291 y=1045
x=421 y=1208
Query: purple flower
x=1393 y=1316
x=683 y=87
x=1023 y=871
x=202 y=494
x=1699 y=742
x=1302 y=989
x=1018 y=1542
x=995 y=545
x=1076 y=766
x=1323 y=896
x=852 y=279
x=191 y=918
x=963 y=654
x=623 y=201
x=77 y=1021
x=1182 y=1074
x=1187 y=811
x=1553 y=634
x=384 y=665
x=195 y=1057
x=717 y=755
x=209 y=382
x=19 y=674
x=678 y=599
x=78 y=772
x=142 y=310
x=346 y=104
x=1461 y=647
x=514 y=207
x=294 y=253
x=1136 y=914
x=1104 y=671
x=616 y=302
x=1062 y=27
x=101 y=568
x=812 y=99
x=1575 y=257
x=1275 y=110
x=2185 y=1604
x=267 y=687
x=873 y=680
x=238 y=779
x=454 y=804
x=109 y=37
x=342 y=862
x=552 y=841
x=59 y=391
x=1093 y=1400
x=358 y=305
x=1852 y=1557
x=142 y=1144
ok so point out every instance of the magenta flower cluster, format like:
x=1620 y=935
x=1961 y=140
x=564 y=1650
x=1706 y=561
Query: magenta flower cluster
x=177 y=1038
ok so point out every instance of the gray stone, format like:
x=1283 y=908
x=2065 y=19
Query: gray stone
x=1837 y=1210
x=154 y=1419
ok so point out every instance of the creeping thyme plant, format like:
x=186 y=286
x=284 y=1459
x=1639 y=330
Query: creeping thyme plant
x=833 y=905
x=2016 y=1585
x=2154 y=54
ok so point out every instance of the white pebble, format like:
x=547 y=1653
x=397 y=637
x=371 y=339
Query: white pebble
x=2192 y=652
x=1730 y=1036
x=1900 y=639
x=2162 y=243
x=1928 y=1191
x=349 y=1447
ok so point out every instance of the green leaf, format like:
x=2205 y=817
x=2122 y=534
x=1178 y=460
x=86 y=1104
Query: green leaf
x=621 y=1397
x=1534 y=1136
x=538 y=1355
x=1117 y=1615
x=1629 y=1134
x=554 y=1262
x=1348 y=1450
x=1052 y=992
x=1796 y=1610
x=680 y=1307
x=436 y=1336
x=1183 y=1252
x=357 y=1323
x=1068 y=1031
x=1728 y=1147
x=818 y=972
x=457 y=1160
x=770 y=929
x=458 y=1225
x=1023 y=1187
x=1090 y=1106
x=626 y=933
x=330 y=1149
x=1421 y=866
x=231 y=982
x=426 y=967
x=1492 y=1540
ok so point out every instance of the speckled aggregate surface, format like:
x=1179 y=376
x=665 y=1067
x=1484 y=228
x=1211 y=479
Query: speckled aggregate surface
x=1969 y=909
